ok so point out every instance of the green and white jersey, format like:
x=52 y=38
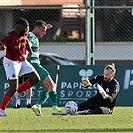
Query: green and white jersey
x=34 y=42
x=34 y=59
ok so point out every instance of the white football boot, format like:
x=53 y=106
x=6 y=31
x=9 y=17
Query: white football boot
x=2 y=113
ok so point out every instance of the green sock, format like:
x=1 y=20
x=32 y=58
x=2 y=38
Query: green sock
x=53 y=97
x=43 y=98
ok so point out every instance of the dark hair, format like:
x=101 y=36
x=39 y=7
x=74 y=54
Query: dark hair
x=40 y=23
x=22 y=21
x=111 y=67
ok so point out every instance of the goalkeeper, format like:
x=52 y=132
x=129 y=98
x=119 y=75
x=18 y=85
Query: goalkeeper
x=104 y=101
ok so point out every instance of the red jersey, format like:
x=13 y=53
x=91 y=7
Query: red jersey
x=15 y=45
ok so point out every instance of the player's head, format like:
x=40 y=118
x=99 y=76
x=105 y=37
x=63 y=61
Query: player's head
x=22 y=26
x=109 y=72
x=40 y=28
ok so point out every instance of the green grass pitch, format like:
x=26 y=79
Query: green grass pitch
x=23 y=120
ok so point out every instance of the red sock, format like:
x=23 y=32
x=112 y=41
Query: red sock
x=5 y=102
x=25 y=86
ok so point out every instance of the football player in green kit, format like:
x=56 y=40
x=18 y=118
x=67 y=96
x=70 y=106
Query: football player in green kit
x=40 y=28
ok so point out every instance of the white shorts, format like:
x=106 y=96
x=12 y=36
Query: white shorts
x=14 y=69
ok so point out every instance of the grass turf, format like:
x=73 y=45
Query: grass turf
x=23 y=120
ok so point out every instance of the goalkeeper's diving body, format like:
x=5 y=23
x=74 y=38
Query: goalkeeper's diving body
x=104 y=101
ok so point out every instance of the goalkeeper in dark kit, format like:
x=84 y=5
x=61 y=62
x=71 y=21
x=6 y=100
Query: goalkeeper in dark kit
x=107 y=90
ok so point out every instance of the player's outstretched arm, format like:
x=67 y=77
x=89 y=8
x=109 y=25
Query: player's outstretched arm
x=86 y=83
x=102 y=92
x=2 y=46
x=28 y=48
x=49 y=26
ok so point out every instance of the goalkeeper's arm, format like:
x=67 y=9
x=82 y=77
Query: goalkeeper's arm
x=86 y=83
x=102 y=92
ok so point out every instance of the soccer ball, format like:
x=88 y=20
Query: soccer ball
x=71 y=107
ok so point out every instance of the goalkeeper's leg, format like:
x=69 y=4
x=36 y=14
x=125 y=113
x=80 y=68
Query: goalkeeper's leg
x=100 y=110
x=91 y=103
x=84 y=112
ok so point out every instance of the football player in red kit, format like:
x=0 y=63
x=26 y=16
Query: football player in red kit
x=15 y=63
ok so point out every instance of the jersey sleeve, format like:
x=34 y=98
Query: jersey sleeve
x=96 y=79
x=33 y=40
x=114 y=92
x=6 y=40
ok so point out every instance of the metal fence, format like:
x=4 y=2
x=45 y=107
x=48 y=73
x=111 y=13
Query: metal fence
x=113 y=27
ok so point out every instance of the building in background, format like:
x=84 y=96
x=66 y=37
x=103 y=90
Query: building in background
x=67 y=22
x=113 y=27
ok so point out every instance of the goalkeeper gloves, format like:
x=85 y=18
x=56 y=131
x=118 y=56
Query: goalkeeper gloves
x=102 y=92
x=86 y=83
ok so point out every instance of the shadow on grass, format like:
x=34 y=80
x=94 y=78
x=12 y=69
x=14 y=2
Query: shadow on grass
x=70 y=130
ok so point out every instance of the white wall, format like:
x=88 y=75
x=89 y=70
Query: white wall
x=103 y=50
